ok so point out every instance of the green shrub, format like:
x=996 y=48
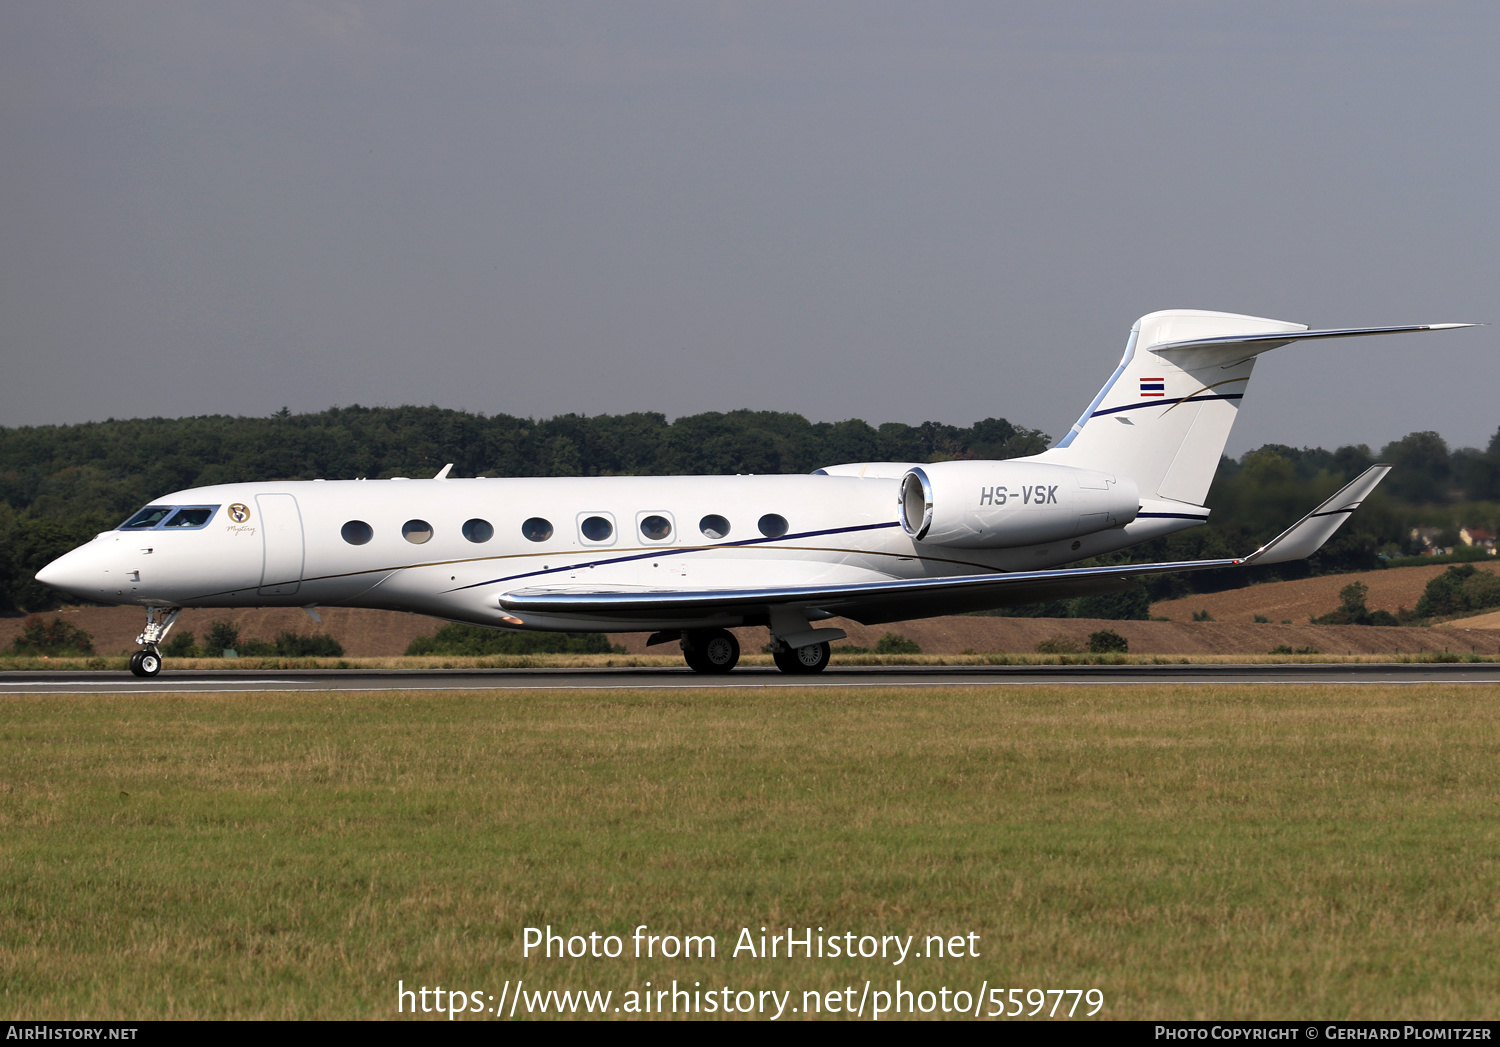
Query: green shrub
x=1462 y=587
x=55 y=637
x=222 y=636
x=891 y=643
x=1059 y=645
x=1202 y=616
x=182 y=645
x=1107 y=641
x=1353 y=611
x=1131 y=605
x=291 y=644
x=475 y=641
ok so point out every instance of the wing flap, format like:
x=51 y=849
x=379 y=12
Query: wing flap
x=883 y=601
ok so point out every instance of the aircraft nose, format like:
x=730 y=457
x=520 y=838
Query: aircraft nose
x=75 y=572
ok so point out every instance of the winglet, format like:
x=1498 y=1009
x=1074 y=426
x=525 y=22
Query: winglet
x=1308 y=534
x=443 y=472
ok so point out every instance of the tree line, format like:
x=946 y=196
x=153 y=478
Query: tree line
x=60 y=485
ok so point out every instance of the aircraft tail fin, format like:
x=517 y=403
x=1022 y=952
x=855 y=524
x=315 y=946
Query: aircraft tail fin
x=1164 y=416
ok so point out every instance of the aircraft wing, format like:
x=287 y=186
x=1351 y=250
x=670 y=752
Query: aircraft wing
x=872 y=603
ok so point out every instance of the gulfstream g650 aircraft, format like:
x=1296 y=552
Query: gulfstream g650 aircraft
x=686 y=557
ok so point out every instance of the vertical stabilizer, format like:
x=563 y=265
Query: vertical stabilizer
x=1164 y=417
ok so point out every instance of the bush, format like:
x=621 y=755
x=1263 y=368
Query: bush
x=1352 y=609
x=891 y=643
x=475 y=641
x=182 y=645
x=53 y=637
x=1107 y=641
x=1131 y=605
x=1202 y=616
x=1059 y=645
x=291 y=644
x=222 y=636
x=1462 y=587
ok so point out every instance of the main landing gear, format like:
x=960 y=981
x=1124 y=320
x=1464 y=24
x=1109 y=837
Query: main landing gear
x=801 y=660
x=711 y=650
x=159 y=621
x=717 y=651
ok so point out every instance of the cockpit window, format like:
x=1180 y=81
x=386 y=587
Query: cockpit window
x=147 y=517
x=195 y=517
x=155 y=517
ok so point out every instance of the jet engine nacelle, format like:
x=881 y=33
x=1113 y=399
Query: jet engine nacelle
x=1002 y=504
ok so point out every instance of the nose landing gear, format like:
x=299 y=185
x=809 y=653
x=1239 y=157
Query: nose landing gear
x=145 y=663
x=159 y=621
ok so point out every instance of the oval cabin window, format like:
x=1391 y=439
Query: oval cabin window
x=357 y=532
x=536 y=529
x=772 y=525
x=417 y=532
x=596 y=528
x=656 y=528
x=478 y=531
x=714 y=526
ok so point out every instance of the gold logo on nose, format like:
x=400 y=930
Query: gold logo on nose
x=239 y=512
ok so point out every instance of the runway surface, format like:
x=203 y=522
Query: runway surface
x=652 y=678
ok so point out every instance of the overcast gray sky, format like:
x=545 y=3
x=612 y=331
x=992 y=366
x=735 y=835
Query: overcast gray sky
x=895 y=212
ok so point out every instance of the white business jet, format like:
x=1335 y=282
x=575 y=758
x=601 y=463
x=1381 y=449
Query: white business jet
x=688 y=557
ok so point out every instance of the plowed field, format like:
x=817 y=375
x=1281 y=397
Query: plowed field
x=385 y=633
x=1306 y=598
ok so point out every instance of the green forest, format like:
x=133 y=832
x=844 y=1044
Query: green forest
x=60 y=485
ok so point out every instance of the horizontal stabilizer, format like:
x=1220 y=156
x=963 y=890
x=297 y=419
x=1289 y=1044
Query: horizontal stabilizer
x=1229 y=349
x=1308 y=534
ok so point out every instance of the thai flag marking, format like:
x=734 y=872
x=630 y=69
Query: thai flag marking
x=1153 y=387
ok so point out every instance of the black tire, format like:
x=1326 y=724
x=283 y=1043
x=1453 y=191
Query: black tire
x=150 y=663
x=715 y=651
x=802 y=661
x=135 y=664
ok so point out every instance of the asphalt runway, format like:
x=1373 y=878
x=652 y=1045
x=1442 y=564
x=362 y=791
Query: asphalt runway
x=652 y=678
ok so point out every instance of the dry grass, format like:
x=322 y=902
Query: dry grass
x=671 y=661
x=1227 y=852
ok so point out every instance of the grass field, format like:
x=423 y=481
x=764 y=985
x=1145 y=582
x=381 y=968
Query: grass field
x=1241 y=851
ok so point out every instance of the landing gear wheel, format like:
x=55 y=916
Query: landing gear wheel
x=716 y=651
x=145 y=663
x=802 y=660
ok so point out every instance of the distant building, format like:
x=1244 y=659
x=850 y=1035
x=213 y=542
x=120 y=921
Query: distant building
x=1477 y=536
x=1427 y=538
